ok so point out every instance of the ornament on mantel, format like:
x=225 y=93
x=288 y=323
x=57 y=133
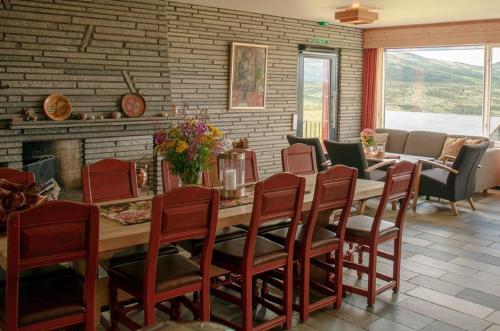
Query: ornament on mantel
x=30 y=114
x=116 y=115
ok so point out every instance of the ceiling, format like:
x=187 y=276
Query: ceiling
x=391 y=12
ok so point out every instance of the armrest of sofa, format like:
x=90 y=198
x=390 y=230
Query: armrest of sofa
x=488 y=175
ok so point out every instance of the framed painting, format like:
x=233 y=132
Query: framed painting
x=248 y=75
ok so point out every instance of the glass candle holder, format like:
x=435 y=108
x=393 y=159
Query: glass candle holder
x=232 y=174
x=380 y=151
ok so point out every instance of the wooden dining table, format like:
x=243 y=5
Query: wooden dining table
x=114 y=236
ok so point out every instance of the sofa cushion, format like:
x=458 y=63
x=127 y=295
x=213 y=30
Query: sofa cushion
x=425 y=143
x=381 y=138
x=396 y=140
x=452 y=147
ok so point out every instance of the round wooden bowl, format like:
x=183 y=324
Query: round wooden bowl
x=57 y=107
x=133 y=105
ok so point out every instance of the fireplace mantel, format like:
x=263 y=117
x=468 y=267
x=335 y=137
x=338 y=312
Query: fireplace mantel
x=26 y=125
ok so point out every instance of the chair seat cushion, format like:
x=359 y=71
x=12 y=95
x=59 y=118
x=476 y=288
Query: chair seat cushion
x=360 y=227
x=36 y=273
x=173 y=270
x=135 y=253
x=321 y=237
x=433 y=182
x=269 y=226
x=47 y=296
x=230 y=252
x=195 y=246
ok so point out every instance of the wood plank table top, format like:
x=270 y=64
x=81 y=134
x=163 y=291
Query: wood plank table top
x=114 y=236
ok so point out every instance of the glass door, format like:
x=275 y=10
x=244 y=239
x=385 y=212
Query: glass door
x=317 y=94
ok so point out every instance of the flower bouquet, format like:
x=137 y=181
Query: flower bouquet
x=188 y=147
x=368 y=139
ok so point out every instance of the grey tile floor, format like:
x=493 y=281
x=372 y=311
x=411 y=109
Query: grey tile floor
x=450 y=276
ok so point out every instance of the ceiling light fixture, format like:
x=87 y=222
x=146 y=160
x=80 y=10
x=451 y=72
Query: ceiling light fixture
x=356 y=15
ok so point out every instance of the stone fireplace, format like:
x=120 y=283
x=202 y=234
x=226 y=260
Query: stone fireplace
x=63 y=157
x=73 y=143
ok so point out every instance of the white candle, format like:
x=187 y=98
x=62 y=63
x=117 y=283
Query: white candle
x=230 y=179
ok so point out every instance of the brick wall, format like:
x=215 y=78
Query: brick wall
x=94 y=51
x=198 y=54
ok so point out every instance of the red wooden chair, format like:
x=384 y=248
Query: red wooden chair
x=16 y=176
x=367 y=233
x=195 y=246
x=169 y=180
x=279 y=196
x=39 y=239
x=334 y=191
x=108 y=180
x=299 y=159
x=185 y=213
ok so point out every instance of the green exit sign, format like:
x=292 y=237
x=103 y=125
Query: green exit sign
x=319 y=41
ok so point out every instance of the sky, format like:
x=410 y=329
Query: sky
x=473 y=55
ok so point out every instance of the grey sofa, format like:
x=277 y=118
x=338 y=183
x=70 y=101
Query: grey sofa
x=430 y=144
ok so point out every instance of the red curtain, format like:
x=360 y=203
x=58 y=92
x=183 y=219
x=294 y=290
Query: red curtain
x=369 y=86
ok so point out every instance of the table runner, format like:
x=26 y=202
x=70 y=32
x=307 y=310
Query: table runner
x=137 y=212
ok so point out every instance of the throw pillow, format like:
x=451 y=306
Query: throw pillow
x=381 y=138
x=452 y=147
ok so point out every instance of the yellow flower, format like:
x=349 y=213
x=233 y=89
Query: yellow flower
x=181 y=146
x=164 y=146
x=216 y=132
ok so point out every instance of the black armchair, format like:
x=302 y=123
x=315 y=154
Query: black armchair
x=453 y=183
x=321 y=159
x=353 y=155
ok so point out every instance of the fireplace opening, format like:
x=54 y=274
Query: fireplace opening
x=60 y=160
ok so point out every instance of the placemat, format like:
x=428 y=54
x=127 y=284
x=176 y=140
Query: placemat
x=128 y=213
x=391 y=156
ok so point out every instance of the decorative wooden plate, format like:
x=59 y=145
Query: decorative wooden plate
x=57 y=107
x=133 y=105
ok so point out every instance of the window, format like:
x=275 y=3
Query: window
x=436 y=89
x=494 y=120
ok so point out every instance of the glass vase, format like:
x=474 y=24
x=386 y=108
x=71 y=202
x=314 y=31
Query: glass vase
x=190 y=178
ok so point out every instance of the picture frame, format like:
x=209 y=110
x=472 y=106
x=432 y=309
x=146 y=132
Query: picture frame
x=248 y=76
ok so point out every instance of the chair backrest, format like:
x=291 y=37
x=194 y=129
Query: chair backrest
x=316 y=143
x=251 y=169
x=462 y=185
x=334 y=190
x=210 y=177
x=348 y=154
x=52 y=233
x=16 y=176
x=169 y=179
x=279 y=196
x=109 y=179
x=399 y=184
x=189 y=212
x=299 y=159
